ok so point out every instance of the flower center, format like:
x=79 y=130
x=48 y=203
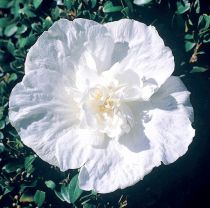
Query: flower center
x=104 y=101
x=103 y=111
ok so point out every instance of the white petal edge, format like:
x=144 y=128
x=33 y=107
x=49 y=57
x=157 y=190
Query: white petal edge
x=40 y=114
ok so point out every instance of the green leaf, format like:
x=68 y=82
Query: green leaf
x=12 y=167
x=27 y=10
x=23 y=186
x=203 y=22
x=75 y=191
x=4 y=21
x=39 y=198
x=21 y=29
x=88 y=205
x=197 y=69
x=142 y=2
x=1 y=112
x=10 y=47
x=2 y=147
x=10 y=30
x=28 y=161
x=189 y=37
x=47 y=22
x=2 y=124
x=55 y=13
x=71 y=192
x=93 y=3
x=65 y=193
x=4 y=4
x=68 y=4
x=50 y=184
x=12 y=78
x=109 y=7
x=206 y=38
x=130 y=5
x=189 y=46
x=59 y=195
x=182 y=6
x=26 y=197
x=125 y=11
x=37 y=3
x=197 y=6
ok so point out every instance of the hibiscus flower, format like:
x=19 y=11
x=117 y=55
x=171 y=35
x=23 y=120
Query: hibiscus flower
x=101 y=98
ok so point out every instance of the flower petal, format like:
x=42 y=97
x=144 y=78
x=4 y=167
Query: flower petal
x=115 y=167
x=70 y=39
x=54 y=45
x=145 y=53
x=42 y=110
x=170 y=123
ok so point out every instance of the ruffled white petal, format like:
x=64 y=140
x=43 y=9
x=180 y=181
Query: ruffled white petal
x=53 y=46
x=74 y=148
x=142 y=50
x=170 y=121
x=42 y=110
x=115 y=167
x=70 y=39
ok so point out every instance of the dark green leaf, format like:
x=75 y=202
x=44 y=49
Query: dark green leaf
x=4 y=21
x=68 y=4
x=47 y=23
x=189 y=46
x=4 y=4
x=23 y=186
x=75 y=191
x=130 y=5
x=28 y=161
x=39 y=198
x=109 y=7
x=188 y=37
x=71 y=192
x=65 y=193
x=125 y=11
x=182 y=6
x=59 y=195
x=50 y=184
x=26 y=197
x=2 y=124
x=2 y=147
x=55 y=13
x=142 y=2
x=204 y=22
x=197 y=69
x=8 y=189
x=1 y=112
x=12 y=78
x=12 y=167
x=93 y=3
x=27 y=10
x=21 y=29
x=206 y=38
x=10 y=30
x=37 y=3
x=197 y=6
x=10 y=47
x=89 y=205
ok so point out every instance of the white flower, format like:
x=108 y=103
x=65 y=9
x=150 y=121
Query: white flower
x=100 y=98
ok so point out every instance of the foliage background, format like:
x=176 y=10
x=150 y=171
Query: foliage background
x=27 y=181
